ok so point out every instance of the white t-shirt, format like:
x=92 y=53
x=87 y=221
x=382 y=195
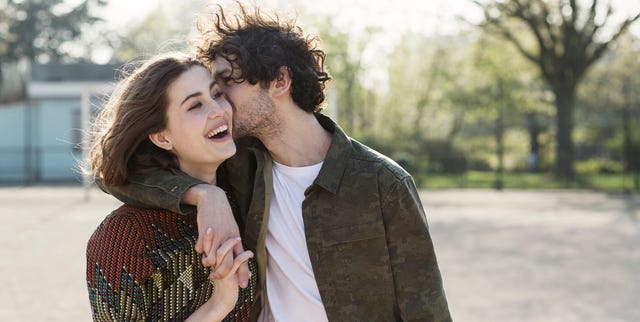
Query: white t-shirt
x=292 y=292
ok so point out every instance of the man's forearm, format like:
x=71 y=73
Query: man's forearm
x=215 y=212
x=172 y=189
x=161 y=189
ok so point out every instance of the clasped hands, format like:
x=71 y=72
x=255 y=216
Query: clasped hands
x=218 y=234
x=223 y=262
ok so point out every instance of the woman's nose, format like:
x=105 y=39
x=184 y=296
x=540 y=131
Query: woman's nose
x=215 y=110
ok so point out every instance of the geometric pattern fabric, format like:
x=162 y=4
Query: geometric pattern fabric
x=142 y=266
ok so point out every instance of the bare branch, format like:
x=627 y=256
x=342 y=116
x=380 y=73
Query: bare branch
x=504 y=31
x=590 y=26
x=602 y=47
x=606 y=17
x=541 y=29
x=553 y=37
x=574 y=11
x=509 y=36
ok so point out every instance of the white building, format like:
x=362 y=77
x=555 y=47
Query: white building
x=42 y=134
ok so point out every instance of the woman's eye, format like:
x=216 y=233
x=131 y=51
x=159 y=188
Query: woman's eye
x=194 y=106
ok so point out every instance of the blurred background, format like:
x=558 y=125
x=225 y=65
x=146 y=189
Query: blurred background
x=519 y=120
x=468 y=94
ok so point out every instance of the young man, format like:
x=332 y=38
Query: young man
x=338 y=229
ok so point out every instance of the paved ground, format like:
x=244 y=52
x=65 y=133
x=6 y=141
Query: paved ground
x=510 y=256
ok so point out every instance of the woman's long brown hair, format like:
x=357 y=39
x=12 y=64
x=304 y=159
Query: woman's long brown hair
x=120 y=146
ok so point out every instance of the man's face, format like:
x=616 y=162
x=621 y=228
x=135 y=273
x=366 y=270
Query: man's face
x=253 y=108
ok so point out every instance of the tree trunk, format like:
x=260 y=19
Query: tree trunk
x=564 y=99
x=348 y=112
x=534 y=141
x=630 y=151
x=499 y=133
x=626 y=139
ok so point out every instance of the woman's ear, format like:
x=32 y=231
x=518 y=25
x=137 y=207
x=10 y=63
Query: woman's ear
x=161 y=140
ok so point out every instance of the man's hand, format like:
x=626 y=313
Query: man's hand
x=215 y=225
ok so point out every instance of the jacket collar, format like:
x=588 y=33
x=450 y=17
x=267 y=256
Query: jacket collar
x=335 y=162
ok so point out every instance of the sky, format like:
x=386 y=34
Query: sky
x=408 y=14
x=433 y=16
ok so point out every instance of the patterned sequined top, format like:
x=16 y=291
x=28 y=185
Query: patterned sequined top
x=142 y=266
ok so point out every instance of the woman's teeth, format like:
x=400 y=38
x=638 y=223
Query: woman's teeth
x=215 y=132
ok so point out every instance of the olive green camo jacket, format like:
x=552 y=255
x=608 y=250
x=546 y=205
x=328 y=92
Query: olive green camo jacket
x=366 y=230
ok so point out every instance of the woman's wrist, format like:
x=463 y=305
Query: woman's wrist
x=210 y=311
x=216 y=312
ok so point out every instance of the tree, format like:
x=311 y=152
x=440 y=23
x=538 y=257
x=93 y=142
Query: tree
x=569 y=38
x=505 y=88
x=424 y=110
x=5 y=38
x=162 y=29
x=351 y=100
x=612 y=107
x=40 y=29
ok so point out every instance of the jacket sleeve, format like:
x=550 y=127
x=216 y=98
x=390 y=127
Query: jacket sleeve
x=161 y=189
x=418 y=284
x=117 y=270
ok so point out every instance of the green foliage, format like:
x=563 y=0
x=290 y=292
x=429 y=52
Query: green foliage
x=564 y=32
x=610 y=107
x=597 y=166
x=519 y=180
x=6 y=20
x=460 y=104
x=351 y=100
x=420 y=84
x=437 y=109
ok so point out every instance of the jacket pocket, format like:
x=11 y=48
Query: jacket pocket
x=360 y=261
x=355 y=233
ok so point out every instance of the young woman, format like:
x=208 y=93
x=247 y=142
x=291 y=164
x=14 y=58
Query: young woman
x=141 y=263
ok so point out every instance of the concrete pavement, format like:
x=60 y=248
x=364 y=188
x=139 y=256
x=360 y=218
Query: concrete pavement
x=509 y=256
x=538 y=256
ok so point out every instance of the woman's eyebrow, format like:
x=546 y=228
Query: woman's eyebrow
x=190 y=96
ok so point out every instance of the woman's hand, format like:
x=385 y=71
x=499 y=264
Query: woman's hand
x=225 y=289
x=214 y=213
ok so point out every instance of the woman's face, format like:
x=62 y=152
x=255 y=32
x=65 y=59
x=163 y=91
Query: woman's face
x=199 y=124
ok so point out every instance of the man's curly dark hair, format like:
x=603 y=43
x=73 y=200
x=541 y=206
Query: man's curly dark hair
x=259 y=45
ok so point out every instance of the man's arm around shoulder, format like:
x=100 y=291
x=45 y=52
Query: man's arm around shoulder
x=174 y=190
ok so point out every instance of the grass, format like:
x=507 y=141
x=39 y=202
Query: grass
x=487 y=180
